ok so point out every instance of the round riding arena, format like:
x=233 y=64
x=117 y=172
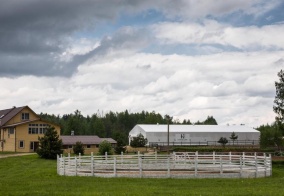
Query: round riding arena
x=175 y=165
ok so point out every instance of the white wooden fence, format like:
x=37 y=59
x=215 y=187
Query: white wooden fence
x=176 y=165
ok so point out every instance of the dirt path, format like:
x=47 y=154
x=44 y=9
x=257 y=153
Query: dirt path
x=14 y=155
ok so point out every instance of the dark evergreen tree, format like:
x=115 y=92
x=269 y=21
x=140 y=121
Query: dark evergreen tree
x=233 y=137
x=139 y=141
x=49 y=145
x=279 y=101
x=223 y=141
x=210 y=121
x=78 y=148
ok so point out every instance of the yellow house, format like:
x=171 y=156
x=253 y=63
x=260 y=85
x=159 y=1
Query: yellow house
x=20 y=128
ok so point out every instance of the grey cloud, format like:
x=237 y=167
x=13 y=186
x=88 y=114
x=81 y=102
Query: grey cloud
x=143 y=67
x=125 y=39
x=33 y=33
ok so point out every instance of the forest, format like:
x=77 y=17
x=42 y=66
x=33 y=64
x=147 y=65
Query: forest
x=115 y=125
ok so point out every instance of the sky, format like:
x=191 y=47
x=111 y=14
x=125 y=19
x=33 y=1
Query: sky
x=186 y=58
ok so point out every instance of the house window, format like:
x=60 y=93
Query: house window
x=25 y=116
x=70 y=146
x=21 y=144
x=37 y=128
x=88 y=146
x=11 y=130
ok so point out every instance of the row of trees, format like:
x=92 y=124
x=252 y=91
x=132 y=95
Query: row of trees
x=115 y=125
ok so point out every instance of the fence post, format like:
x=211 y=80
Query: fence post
x=140 y=166
x=92 y=164
x=79 y=159
x=63 y=163
x=114 y=166
x=106 y=156
x=156 y=156
x=221 y=165
x=265 y=164
x=213 y=157
x=75 y=166
x=256 y=169
x=69 y=159
x=169 y=169
x=270 y=166
x=195 y=164
x=241 y=167
x=230 y=156
x=121 y=157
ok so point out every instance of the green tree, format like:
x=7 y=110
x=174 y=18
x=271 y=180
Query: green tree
x=233 y=137
x=119 y=146
x=138 y=141
x=49 y=145
x=278 y=108
x=223 y=141
x=270 y=136
x=210 y=121
x=104 y=147
x=78 y=148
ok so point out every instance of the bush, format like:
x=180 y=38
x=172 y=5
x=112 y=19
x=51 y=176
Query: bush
x=78 y=148
x=104 y=147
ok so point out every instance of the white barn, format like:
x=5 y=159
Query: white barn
x=195 y=134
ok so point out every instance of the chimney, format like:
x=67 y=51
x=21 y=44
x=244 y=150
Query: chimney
x=72 y=132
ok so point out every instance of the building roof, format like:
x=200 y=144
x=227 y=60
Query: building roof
x=7 y=114
x=196 y=128
x=84 y=139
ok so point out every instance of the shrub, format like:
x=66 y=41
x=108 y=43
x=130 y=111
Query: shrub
x=104 y=147
x=78 y=148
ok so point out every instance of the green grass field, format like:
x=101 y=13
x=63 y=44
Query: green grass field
x=29 y=175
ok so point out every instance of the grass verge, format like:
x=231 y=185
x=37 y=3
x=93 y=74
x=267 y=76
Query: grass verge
x=29 y=175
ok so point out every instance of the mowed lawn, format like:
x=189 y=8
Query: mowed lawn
x=29 y=175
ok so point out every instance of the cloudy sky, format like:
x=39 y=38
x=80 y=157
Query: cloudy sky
x=185 y=58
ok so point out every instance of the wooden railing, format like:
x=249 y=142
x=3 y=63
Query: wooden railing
x=176 y=165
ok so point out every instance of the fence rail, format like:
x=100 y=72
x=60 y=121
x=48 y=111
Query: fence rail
x=176 y=165
x=235 y=143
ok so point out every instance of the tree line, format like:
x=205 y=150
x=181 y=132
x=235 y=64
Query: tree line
x=116 y=125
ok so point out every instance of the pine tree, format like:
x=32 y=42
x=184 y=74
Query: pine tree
x=278 y=108
x=49 y=145
x=233 y=137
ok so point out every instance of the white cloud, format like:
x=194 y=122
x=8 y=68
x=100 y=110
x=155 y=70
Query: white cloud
x=212 y=32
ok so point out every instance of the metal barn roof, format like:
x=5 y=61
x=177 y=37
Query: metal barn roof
x=196 y=128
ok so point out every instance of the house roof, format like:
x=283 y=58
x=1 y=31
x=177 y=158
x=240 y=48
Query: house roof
x=7 y=114
x=85 y=139
x=195 y=128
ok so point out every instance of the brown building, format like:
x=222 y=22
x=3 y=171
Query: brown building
x=90 y=142
x=20 y=128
